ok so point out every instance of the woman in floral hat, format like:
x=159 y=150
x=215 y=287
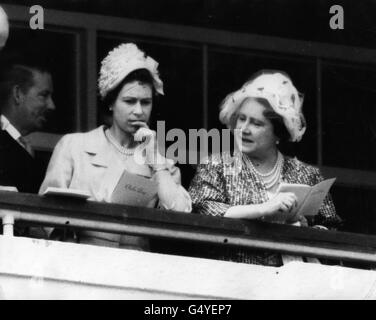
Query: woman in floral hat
x=94 y=161
x=264 y=111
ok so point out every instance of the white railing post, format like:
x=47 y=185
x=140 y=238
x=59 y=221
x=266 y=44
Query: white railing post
x=8 y=222
x=8 y=217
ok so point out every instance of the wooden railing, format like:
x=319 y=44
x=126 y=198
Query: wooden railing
x=114 y=218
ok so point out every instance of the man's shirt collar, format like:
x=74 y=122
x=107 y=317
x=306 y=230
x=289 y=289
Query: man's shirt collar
x=8 y=127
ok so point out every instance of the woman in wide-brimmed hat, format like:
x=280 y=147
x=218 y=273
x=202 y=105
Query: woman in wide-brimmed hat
x=94 y=161
x=263 y=112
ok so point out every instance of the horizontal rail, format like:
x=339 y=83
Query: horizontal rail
x=113 y=218
x=351 y=177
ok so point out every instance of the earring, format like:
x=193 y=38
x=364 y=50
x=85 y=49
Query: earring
x=110 y=108
x=277 y=142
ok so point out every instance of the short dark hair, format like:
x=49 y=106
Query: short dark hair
x=141 y=75
x=279 y=127
x=17 y=71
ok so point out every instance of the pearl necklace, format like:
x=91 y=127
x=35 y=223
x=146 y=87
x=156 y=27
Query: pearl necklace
x=272 y=177
x=118 y=147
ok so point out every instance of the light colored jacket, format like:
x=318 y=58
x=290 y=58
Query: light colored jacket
x=87 y=161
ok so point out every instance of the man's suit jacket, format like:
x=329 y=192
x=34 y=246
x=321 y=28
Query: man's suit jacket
x=17 y=167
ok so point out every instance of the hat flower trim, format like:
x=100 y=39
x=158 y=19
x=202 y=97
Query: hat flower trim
x=285 y=101
x=288 y=105
x=120 y=62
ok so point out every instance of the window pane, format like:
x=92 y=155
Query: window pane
x=228 y=71
x=357 y=207
x=349 y=116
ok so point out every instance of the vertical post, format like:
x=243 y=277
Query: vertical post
x=319 y=111
x=78 y=82
x=205 y=108
x=205 y=88
x=8 y=222
x=91 y=78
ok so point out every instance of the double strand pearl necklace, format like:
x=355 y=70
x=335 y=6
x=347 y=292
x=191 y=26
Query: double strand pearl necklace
x=118 y=147
x=272 y=177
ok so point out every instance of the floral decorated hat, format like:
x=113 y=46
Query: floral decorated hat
x=282 y=96
x=120 y=62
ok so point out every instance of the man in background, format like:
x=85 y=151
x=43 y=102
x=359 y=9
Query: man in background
x=25 y=101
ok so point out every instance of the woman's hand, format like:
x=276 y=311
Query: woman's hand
x=149 y=147
x=144 y=134
x=143 y=131
x=281 y=202
x=286 y=202
x=298 y=220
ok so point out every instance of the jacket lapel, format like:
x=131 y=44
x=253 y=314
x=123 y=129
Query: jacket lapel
x=97 y=147
x=102 y=155
x=8 y=144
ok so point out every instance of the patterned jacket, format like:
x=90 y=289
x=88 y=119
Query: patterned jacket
x=222 y=182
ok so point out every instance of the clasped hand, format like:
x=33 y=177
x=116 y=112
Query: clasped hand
x=285 y=202
x=148 y=150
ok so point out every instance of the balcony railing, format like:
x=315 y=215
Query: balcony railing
x=114 y=218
